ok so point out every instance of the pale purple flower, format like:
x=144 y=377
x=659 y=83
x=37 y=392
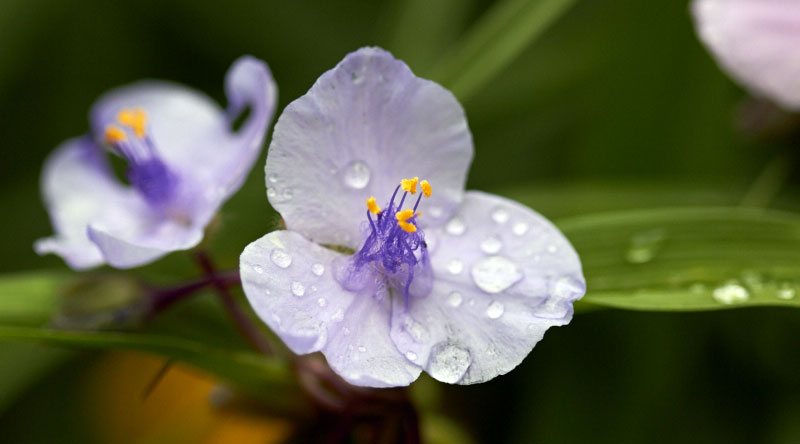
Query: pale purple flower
x=184 y=159
x=463 y=291
x=757 y=42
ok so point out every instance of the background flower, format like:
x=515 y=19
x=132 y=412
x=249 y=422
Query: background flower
x=757 y=42
x=184 y=159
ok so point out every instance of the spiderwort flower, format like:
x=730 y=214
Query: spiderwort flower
x=460 y=284
x=184 y=159
x=757 y=42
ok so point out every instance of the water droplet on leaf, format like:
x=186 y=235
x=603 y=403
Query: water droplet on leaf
x=731 y=293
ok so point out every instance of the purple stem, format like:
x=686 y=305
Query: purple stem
x=165 y=297
x=240 y=318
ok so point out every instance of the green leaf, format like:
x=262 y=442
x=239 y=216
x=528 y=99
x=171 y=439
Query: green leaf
x=251 y=371
x=494 y=42
x=688 y=259
x=29 y=298
x=195 y=332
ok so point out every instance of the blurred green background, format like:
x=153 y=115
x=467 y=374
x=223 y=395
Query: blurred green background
x=615 y=106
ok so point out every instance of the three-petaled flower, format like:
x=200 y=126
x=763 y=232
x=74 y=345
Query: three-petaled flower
x=460 y=284
x=184 y=159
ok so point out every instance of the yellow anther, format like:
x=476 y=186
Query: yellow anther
x=410 y=228
x=136 y=119
x=409 y=185
x=404 y=215
x=372 y=206
x=114 y=135
x=426 y=188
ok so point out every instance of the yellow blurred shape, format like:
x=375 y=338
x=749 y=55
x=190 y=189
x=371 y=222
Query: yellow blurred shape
x=178 y=409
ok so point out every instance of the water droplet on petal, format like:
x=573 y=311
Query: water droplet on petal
x=356 y=175
x=318 y=269
x=552 y=249
x=455 y=266
x=362 y=349
x=411 y=356
x=455 y=227
x=731 y=293
x=435 y=212
x=280 y=258
x=454 y=299
x=494 y=274
x=338 y=316
x=495 y=310
x=271 y=192
x=322 y=302
x=414 y=329
x=272 y=178
x=357 y=78
x=448 y=362
x=520 y=228
x=500 y=215
x=258 y=269
x=491 y=245
x=298 y=289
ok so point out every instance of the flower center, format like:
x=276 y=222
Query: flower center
x=146 y=171
x=394 y=255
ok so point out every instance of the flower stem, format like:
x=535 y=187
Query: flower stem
x=165 y=297
x=243 y=322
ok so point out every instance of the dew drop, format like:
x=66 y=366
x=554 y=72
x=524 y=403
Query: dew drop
x=520 y=228
x=411 y=356
x=491 y=245
x=435 y=212
x=356 y=175
x=455 y=266
x=552 y=249
x=495 y=310
x=338 y=316
x=271 y=192
x=644 y=246
x=272 y=178
x=500 y=215
x=280 y=258
x=786 y=293
x=362 y=349
x=454 y=299
x=731 y=293
x=414 y=329
x=318 y=269
x=494 y=274
x=357 y=78
x=298 y=289
x=448 y=362
x=258 y=269
x=697 y=288
x=455 y=227
x=322 y=302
